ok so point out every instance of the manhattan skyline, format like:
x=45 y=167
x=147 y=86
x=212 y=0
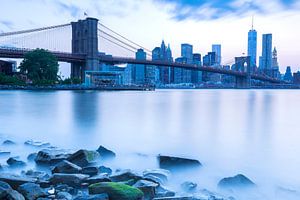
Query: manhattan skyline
x=199 y=23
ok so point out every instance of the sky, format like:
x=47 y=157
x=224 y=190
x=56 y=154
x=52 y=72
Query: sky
x=198 y=22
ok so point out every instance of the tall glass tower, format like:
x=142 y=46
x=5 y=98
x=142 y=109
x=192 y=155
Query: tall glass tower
x=266 y=64
x=252 y=46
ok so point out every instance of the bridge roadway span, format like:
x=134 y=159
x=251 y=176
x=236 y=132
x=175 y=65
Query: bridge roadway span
x=69 y=57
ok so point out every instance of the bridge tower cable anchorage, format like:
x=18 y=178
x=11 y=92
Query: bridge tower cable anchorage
x=123 y=37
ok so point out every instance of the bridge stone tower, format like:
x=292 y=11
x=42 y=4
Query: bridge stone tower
x=85 y=41
x=242 y=64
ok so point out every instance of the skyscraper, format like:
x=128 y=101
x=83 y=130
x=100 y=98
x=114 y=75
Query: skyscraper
x=140 y=69
x=266 y=60
x=252 y=46
x=217 y=49
x=187 y=52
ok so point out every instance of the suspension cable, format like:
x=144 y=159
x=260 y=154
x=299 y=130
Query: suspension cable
x=124 y=37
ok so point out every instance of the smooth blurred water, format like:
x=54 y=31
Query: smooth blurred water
x=254 y=132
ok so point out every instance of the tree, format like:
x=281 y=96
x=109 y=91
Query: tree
x=40 y=65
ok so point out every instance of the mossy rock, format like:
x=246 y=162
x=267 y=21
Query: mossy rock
x=116 y=191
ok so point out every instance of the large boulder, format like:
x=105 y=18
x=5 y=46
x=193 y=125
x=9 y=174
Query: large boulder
x=105 y=153
x=116 y=191
x=157 y=175
x=15 y=180
x=50 y=157
x=83 y=158
x=92 y=171
x=66 y=167
x=6 y=192
x=32 y=191
x=15 y=162
x=147 y=187
x=170 y=162
x=73 y=180
x=125 y=176
x=107 y=170
x=8 y=142
x=98 y=179
x=238 y=181
x=4 y=153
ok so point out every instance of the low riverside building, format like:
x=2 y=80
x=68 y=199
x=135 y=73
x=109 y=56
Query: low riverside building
x=7 y=67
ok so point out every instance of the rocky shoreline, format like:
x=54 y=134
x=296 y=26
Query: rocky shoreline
x=76 y=175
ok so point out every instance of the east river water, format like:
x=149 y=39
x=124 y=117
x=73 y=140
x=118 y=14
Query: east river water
x=253 y=132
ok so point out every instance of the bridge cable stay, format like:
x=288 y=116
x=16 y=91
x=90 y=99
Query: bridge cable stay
x=117 y=41
x=128 y=40
x=52 y=38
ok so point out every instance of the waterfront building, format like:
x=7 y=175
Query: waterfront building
x=187 y=58
x=266 y=60
x=180 y=74
x=216 y=48
x=163 y=53
x=252 y=46
x=196 y=75
x=288 y=74
x=209 y=60
x=296 y=78
x=275 y=65
x=139 y=70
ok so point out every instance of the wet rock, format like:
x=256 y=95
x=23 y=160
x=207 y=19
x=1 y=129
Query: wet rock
x=157 y=175
x=15 y=180
x=4 y=153
x=64 y=196
x=73 y=180
x=98 y=179
x=50 y=157
x=93 y=197
x=92 y=171
x=32 y=191
x=83 y=158
x=6 y=192
x=238 y=181
x=37 y=143
x=15 y=162
x=13 y=195
x=36 y=174
x=170 y=162
x=162 y=191
x=105 y=153
x=189 y=186
x=103 y=169
x=66 y=167
x=32 y=156
x=147 y=187
x=116 y=191
x=125 y=176
x=8 y=142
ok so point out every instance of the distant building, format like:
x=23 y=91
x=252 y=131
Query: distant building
x=163 y=53
x=196 y=75
x=187 y=52
x=275 y=65
x=140 y=70
x=217 y=49
x=252 y=46
x=187 y=58
x=7 y=67
x=209 y=60
x=288 y=74
x=181 y=75
x=296 y=78
x=266 y=60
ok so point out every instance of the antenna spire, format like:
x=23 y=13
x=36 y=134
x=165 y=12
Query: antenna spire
x=252 y=22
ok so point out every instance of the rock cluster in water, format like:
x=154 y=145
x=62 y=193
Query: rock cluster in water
x=77 y=176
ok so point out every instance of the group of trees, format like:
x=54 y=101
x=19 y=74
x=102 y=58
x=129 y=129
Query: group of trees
x=41 y=68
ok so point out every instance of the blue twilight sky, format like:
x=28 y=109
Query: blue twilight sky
x=199 y=22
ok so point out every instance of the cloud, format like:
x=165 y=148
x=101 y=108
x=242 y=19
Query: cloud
x=214 y=9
